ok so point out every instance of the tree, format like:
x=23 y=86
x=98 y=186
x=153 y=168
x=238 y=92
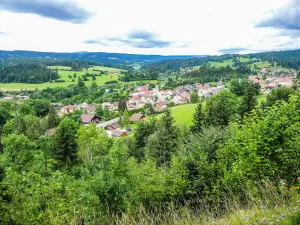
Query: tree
x=53 y=119
x=220 y=108
x=279 y=94
x=93 y=77
x=94 y=84
x=99 y=111
x=106 y=113
x=238 y=86
x=248 y=102
x=80 y=82
x=298 y=75
x=199 y=119
x=93 y=143
x=122 y=105
x=143 y=130
x=125 y=119
x=163 y=143
x=40 y=106
x=65 y=147
x=194 y=97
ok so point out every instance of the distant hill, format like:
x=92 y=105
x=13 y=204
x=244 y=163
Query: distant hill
x=102 y=57
x=287 y=59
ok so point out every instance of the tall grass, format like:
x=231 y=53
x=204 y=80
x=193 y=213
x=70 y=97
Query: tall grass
x=271 y=205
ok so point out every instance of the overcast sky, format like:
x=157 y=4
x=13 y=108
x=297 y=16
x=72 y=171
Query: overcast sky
x=167 y=27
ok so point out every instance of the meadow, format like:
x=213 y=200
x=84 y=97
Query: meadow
x=183 y=114
x=65 y=72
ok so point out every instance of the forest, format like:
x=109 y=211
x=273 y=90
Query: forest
x=31 y=73
x=235 y=149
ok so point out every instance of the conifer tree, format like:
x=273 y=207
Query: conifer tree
x=198 y=120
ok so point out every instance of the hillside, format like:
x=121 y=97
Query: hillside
x=289 y=59
x=102 y=57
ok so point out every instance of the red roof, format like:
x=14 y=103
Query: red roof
x=87 y=118
x=272 y=85
x=136 y=117
x=284 y=79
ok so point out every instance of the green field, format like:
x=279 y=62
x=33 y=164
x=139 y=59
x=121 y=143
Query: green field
x=183 y=114
x=64 y=75
x=228 y=62
x=243 y=59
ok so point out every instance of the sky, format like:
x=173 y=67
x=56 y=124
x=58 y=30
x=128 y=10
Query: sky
x=165 y=27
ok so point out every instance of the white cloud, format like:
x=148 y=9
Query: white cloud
x=192 y=26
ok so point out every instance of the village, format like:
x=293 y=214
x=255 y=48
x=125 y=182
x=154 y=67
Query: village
x=160 y=99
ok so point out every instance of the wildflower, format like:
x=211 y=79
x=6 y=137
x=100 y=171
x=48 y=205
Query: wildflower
x=272 y=223
x=264 y=220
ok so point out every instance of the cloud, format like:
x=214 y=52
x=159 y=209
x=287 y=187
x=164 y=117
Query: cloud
x=55 y=9
x=232 y=50
x=289 y=33
x=286 y=18
x=136 y=39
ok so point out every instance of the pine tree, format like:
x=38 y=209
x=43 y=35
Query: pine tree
x=249 y=101
x=65 y=147
x=198 y=120
x=99 y=111
x=125 y=119
x=163 y=143
x=53 y=119
x=80 y=82
x=122 y=105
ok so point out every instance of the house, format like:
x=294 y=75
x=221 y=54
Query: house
x=91 y=109
x=264 y=71
x=255 y=79
x=285 y=81
x=113 y=126
x=8 y=98
x=68 y=109
x=118 y=133
x=136 y=117
x=23 y=96
x=89 y=118
x=272 y=85
x=220 y=85
x=158 y=109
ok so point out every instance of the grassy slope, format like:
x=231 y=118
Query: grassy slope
x=64 y=73
x=222 y=64
x=183 y=114
x=270 y=210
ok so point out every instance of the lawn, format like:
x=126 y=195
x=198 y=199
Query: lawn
x=227 y=62
x=183 y=114
x=243 y=59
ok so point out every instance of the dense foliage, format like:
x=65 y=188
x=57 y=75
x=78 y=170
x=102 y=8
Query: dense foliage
x=26 y=73
x=79 y=175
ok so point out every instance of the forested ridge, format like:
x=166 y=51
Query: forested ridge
x=32 y=73
x=100 y=57
x=288 y=59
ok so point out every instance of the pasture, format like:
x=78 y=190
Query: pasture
x=64 y=74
